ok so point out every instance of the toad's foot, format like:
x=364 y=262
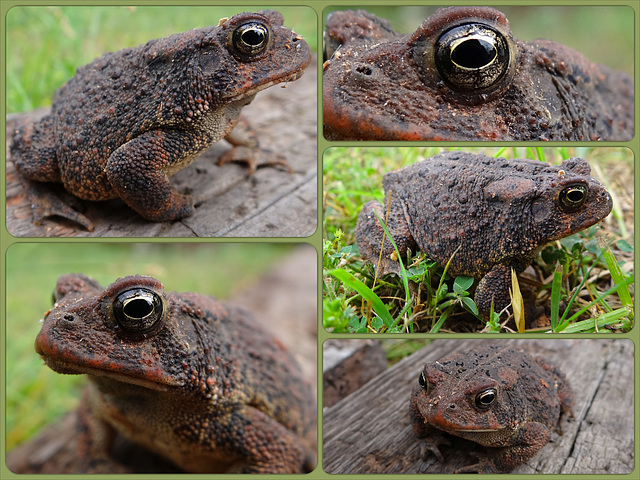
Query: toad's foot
x=45 y=203
x=254 y=158
x=431 y=445
x=485 y=464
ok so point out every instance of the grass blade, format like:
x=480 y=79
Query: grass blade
x=369 y=295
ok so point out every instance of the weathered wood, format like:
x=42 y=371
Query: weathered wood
x=347 y=365
x=268 y=203
x=370 y=432
x=284 y=300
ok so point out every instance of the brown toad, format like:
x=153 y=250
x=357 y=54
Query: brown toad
x=462 y=76
x=488 y=215
x=190 y=378
x=130 y=119
x=496 y=396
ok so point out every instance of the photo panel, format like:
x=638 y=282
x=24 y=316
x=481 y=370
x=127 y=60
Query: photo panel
x=183 y=355
x=477 y=230
x=128 y=101
x=477 y=73
x=484 y=406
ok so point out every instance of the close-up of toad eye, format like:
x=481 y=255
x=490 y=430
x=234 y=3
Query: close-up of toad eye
x=138 y=310
x=485 y=398
x=250 y=39
x=573 y=197
x=472 y=57
x=422 y=380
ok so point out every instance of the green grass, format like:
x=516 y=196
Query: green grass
x=425 y=299
x=37 y=395
x=45 y=45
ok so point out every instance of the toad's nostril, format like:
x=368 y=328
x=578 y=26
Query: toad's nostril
x=365 y=70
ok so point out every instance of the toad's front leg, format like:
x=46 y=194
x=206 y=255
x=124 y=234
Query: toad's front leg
x=494 y=287
x=139 y=172
x=530 y=438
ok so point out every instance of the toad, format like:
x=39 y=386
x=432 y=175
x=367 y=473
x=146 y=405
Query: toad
x=126 y=122
x=188 y=377
x=485 y=215
x=498 y=397
x=462 y=76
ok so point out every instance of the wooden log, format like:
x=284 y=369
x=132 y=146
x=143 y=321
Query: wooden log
x=370 y=431
x=271 y=202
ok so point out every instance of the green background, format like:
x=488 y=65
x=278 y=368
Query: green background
x=42 y=48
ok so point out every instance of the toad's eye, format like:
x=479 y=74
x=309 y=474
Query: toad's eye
x=486 y=397
x=422 y=380
x=138 y=310
x=573 y=197
x=472 y=57
x=250 y=39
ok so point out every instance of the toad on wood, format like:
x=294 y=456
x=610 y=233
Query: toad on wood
x=126 y=122
x=496 y=396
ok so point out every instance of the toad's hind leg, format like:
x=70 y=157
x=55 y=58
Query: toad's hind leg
x=244 y=440
x=33 y=151
x=45 y=203
x=139 y=173
x=34 y=155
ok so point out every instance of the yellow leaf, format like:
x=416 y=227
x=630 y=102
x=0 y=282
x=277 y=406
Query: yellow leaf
x=517 y=303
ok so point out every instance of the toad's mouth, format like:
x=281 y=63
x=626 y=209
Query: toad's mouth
x=263 y=86
x=474 y=430
x=152 y=379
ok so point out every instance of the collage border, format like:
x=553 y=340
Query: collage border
x=6 y=240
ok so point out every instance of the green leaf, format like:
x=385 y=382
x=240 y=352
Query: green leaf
x=358 y=325
x=378 y=306
x=462 y=284
x=556 y=287
x=469 y=304
x=570 y=242
x=552 y=255
x=376 y=323
x=624 y=246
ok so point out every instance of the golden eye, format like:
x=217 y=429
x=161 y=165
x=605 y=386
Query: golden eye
x=422 y=380
x=250 y=39
x=573 y=197
x=138 y=310
x=472 y=57
x=485 y=398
